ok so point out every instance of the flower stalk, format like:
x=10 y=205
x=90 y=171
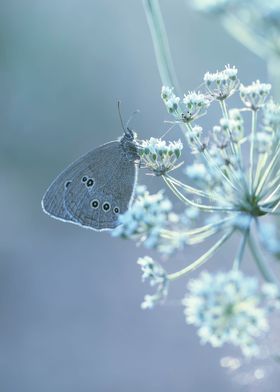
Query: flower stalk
x=161 y=45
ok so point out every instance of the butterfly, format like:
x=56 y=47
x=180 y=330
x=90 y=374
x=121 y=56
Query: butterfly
x=95 y=189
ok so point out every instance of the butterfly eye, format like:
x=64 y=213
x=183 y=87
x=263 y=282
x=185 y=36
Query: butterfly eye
x=95 y=204
x=67 y=183
x=116 y=210
x=84 y=179
x=90 y=182
x=106 y=206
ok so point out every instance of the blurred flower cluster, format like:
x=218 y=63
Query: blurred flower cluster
x=230 y=308
x=146 y=221
x=231 y=189
x=255 y=23
x=158 y=277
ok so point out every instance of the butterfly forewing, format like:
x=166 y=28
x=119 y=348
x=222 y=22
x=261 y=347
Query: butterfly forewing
x=53 y=200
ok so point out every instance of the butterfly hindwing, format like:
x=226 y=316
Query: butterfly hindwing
x=101 y=191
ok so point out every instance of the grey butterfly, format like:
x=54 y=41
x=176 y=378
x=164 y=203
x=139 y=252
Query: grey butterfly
x=96 y=188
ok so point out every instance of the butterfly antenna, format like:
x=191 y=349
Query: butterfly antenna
x=131 y=117
x=120 y=115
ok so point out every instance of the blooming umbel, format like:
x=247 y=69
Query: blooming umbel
x=227 y=308
x=159 y=156
x=222 y=84
x=236 y=189
x=158 y=277
x=196 y=104
x=193 y=105
x=170 y=99
x=254 y=96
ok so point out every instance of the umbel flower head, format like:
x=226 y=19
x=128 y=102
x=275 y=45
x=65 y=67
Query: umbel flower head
x=234 y=182
x=254 y=96
x=222 y=84
x=159 y=156
x=228 y=308
x=194 y=105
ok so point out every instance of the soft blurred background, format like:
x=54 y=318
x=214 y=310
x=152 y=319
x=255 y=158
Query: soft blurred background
x=70 y=317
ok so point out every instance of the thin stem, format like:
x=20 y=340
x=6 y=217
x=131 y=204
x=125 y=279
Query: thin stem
x=270 y=211
x=252 y=148
x=188 y=188
x=197 y=231
x=235 y=148
x=161 y=45
x=263 y=267
x=224 y=108
x=201 y=260
x=262 y=160
x=269 y=169
x=269 y=197
x=240 y=254
x=185 y=200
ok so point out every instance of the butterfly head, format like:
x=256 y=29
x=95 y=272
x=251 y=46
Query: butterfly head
x=129 y=134
x=129 y=145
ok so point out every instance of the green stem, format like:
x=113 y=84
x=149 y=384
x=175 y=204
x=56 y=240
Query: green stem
x=268 y=170
x=161 y=45
x=240 y=254
x=224 y=108
x=252 y=149
x=263 y=267
x=187 y=201
x=201 y=260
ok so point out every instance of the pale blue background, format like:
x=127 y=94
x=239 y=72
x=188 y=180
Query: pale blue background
x=70 y=317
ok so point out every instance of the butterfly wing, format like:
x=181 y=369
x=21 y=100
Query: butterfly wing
x=53 y=200
x=99 y=205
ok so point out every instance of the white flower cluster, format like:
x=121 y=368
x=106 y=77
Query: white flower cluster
x=170 y=99
x=230 y=129
x=157 y=276
x=227 y=308
x=146 y=219
x=193 y=137
x=196 y=104
x=254 y=95
x=222 y=84
x=159 y=156
x=268 y=134
x=234 y=126
x=198 y=173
